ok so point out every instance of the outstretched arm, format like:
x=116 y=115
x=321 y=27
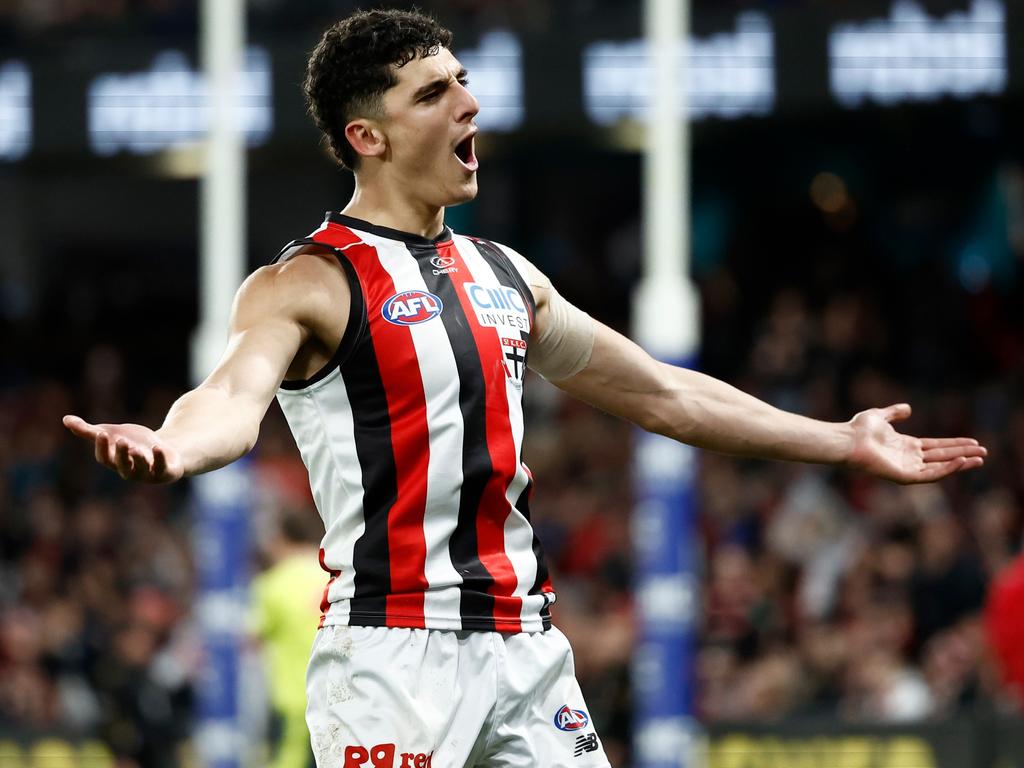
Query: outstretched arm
x=275 y=312
x=694 y=408
x=597 y=365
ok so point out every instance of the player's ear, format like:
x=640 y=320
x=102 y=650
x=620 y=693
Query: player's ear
x=366 y=138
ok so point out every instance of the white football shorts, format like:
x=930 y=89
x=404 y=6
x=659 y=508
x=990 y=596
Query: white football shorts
x=417 y=698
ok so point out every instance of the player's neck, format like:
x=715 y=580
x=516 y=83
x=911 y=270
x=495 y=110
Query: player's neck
x=392 y=210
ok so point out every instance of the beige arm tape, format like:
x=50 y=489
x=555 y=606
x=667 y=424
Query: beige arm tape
x=563 y=348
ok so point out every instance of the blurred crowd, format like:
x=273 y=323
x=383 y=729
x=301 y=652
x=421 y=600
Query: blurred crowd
x=96 y=581
x=28 y=18
x=829 y=593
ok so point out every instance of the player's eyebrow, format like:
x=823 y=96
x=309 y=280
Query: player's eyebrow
x=438 y=84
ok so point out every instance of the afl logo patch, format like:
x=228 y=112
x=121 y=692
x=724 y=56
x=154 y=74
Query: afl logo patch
x=571 y=719
x=411 y=308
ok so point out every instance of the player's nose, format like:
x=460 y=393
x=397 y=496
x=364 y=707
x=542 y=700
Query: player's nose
x=468 y=106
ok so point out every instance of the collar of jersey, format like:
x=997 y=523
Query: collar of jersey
x=392 y=234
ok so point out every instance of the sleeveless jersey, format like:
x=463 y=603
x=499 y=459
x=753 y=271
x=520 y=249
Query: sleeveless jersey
x=413 y=432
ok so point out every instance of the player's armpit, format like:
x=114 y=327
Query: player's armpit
x=276 y=311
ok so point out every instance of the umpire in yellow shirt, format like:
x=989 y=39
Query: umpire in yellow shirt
x=286 y=612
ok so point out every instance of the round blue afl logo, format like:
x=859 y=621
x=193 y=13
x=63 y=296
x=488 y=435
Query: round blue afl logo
x=571 y=719
x=411 y=308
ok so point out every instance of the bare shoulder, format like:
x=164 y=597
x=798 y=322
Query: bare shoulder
x=308 y=288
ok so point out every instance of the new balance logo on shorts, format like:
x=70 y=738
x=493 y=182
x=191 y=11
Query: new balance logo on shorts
x=384 y=756
x=585 y=743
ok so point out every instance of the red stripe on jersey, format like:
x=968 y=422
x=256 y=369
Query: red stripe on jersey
x=546 y=585
x=494 y=506
x=335 y=235
x=324 y=602
x=407 y=411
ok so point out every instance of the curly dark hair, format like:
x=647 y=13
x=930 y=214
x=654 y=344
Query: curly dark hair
x=353 y=66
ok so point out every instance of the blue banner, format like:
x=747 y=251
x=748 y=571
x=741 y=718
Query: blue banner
x=221 y=543
x=667 y=591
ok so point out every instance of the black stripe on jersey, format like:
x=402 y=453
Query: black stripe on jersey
x=355 y=326
x=523 y=505
x=476 y=604
x=505 y=271
x=372 y=430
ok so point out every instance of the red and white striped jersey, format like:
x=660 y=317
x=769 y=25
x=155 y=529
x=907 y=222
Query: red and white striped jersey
x=413 y=433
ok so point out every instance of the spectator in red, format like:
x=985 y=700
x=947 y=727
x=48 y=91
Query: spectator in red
x=1004 y=624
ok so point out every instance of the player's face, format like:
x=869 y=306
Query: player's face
x=429 y=124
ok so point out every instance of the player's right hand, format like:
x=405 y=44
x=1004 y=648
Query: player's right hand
x=133 y=451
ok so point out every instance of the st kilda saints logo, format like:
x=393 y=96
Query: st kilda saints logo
x=411 y=308
x=515 y=358
x=504 y=309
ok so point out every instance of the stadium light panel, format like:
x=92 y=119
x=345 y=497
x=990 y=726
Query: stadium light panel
x=730 y=74
x=496 y=79
x=15 y=110
x=168 y=106
x=910 y=56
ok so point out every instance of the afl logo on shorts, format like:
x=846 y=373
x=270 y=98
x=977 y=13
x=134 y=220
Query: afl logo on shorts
x=571 y=719
x=411 y=308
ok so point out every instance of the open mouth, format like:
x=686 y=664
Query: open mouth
x=464 y=152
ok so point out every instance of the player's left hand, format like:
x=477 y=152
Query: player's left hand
x=881 y=450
